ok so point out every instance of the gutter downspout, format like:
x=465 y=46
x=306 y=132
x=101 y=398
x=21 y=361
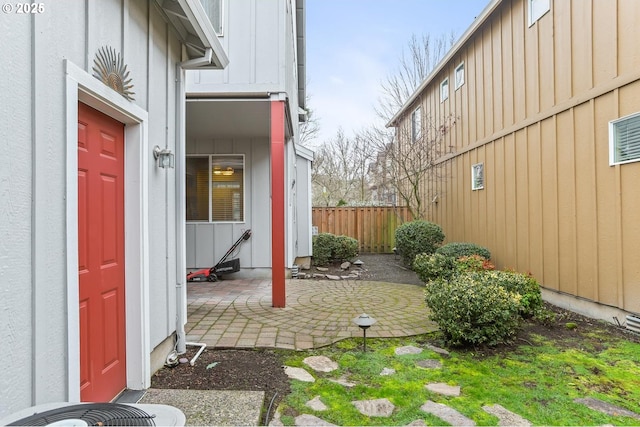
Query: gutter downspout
x=181 y=276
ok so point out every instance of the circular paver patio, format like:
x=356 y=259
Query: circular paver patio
x=238 y=313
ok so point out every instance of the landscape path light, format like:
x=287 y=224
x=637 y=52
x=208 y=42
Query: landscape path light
x=364 y=321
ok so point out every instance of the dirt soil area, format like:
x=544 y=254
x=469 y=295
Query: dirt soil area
x=378 y=268
x=261 y=369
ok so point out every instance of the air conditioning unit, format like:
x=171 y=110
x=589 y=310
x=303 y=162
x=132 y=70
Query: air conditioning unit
x=91 y=414
x=633 y=323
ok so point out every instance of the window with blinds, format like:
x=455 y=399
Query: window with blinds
x=624 y=140
x=215 y=188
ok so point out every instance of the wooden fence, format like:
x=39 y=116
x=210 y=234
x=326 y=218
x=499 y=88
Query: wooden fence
x=373 y=226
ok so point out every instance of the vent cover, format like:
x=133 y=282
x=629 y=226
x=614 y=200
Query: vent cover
x=633 y=323
x=105 y=414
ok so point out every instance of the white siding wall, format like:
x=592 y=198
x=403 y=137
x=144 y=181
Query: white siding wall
x=33 y=277
x=252 y=39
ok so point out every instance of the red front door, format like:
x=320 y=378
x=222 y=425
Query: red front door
x=101 y=255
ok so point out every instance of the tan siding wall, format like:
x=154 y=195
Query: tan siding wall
x=535 y=109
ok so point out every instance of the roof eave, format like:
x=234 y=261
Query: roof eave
x=481 y=19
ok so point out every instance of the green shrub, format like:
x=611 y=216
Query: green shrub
x=472 y=308
x=459 y=249
x=345 y=248
x=416 y=237
x=437 y=265
x=323 y=245
x=465 y=264
x=523 y=284
x=328 y=247
x=434 y=266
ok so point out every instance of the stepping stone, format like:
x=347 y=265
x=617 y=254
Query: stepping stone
x=316 y=404
x=332 y=277
x=446 y=413
x=437 y=350
x=387 y=371
x=408 y=349
x=320 y=363
x=310 y=420
x=374 y=408
x=299 y=374
x=505 y=416
x=344 y=382
x=429 y=364
x=417 y=423
x=444 y=389
x=607 y=408
x=322 y=269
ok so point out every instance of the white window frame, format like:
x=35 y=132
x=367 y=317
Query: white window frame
x=537 y=9
x=219 y=32
x=444 y=90
x=210 y=220
x=614 y=144
x=416 y=124
x=477 y=176
x=458 y=75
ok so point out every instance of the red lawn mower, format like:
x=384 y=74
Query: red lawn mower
x=223 y=266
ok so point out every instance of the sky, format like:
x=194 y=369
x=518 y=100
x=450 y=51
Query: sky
x=353 y=45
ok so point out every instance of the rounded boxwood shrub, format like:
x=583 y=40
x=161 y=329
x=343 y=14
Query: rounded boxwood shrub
x=523 y=284
x=459 y=249
x=472 y=308
x=328 y=247
x=323 y=245
x=416 y=237
x=345 y=248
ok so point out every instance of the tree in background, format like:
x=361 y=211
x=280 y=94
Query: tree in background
x=339 y=171
x=410 y=153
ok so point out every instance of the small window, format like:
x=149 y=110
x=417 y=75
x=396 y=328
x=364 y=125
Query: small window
x=215 y=188
x=416 y=124
x=624 y=139
x=444 y=90
x=537 y=8
x=459 y=75
x=213 y=9
x=477 y=176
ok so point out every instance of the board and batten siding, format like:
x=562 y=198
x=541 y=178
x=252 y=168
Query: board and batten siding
x=33 y=229
x=535 y=108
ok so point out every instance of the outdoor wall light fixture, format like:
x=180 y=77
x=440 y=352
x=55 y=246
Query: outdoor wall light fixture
x=364 y=321
x=164 y=157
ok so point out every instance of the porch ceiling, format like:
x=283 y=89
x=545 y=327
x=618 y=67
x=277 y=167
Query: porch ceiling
x=224 y=118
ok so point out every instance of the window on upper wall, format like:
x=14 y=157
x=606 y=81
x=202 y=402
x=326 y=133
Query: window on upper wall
x=213 y=8
x=477 y=176
x=416 y=124
x=215 y=188
x=537 y=8
x=459 y=76
x=624 y=139
x=444 y=90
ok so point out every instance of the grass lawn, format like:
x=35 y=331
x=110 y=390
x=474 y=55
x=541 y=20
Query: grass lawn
x=538 y=377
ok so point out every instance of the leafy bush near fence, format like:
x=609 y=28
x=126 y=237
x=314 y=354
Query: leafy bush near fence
x=345 y=248
x=433 y=266
x=437 y=265
x=416 y=237
x=459 y=249
x=472 y=308
x=328 y=247
x=523 y=284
